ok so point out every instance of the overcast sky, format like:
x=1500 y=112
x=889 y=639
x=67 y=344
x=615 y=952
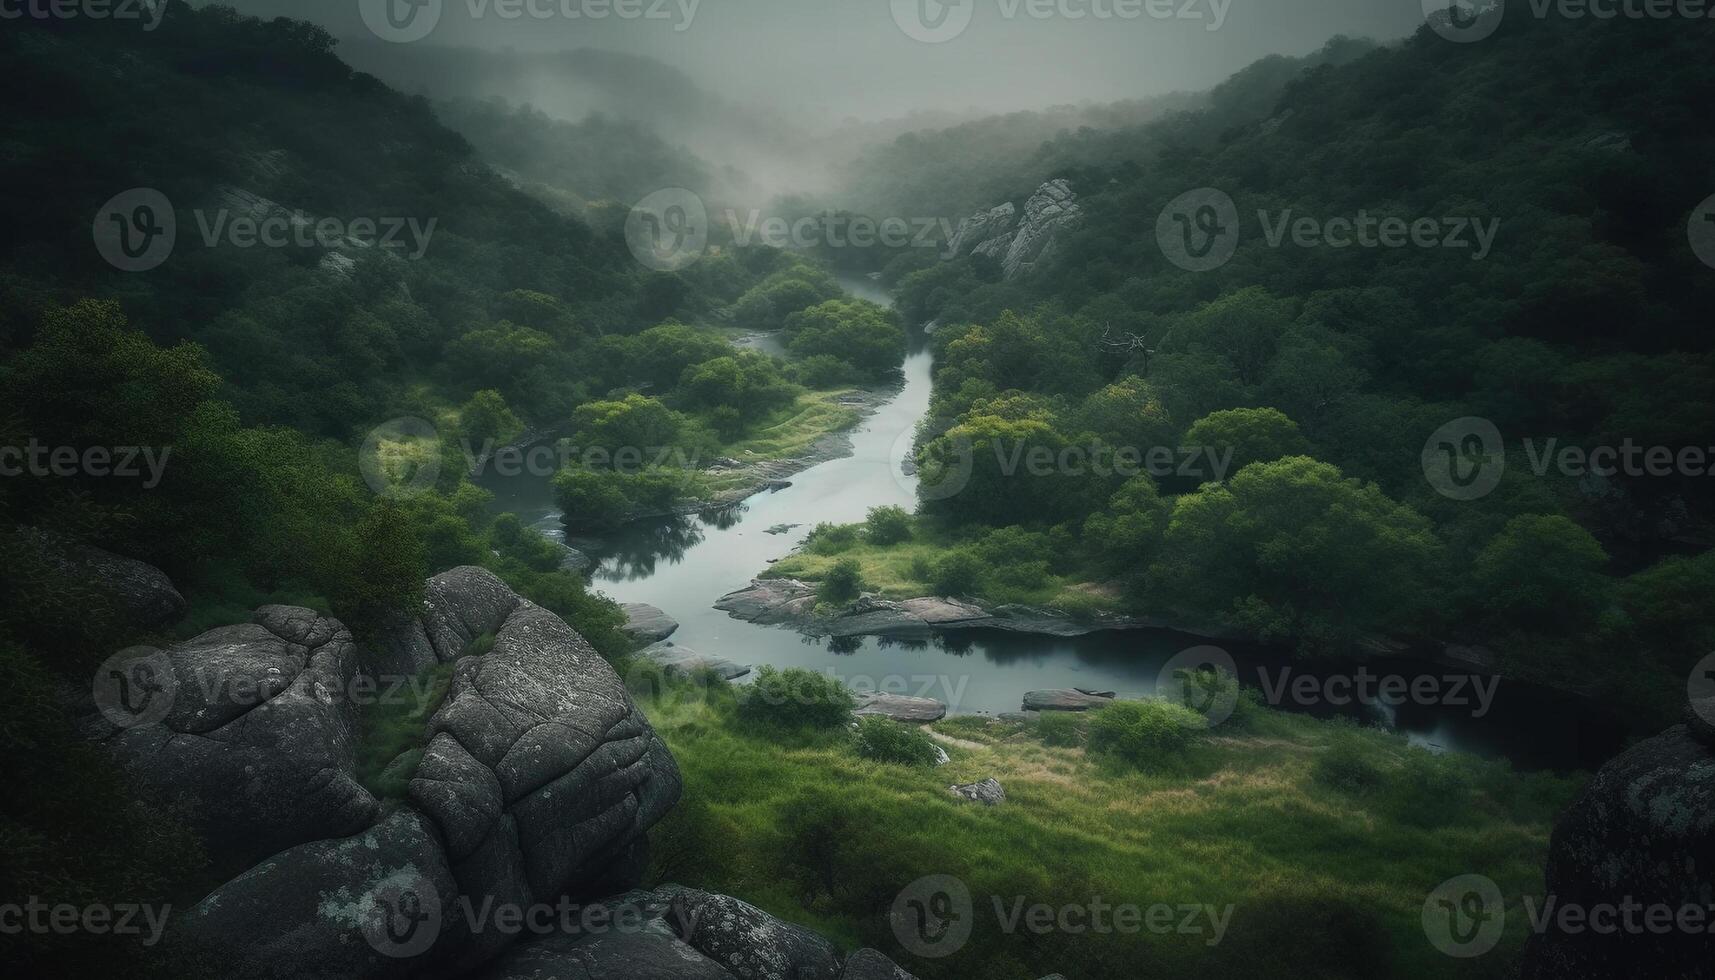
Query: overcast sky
x=830 y=59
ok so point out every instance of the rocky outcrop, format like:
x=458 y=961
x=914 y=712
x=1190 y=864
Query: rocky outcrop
x=532 y=794
x=983 y=228
x=249 y=729
x=988 y=792
x=647 y=624
x=1064 y=699
x=900 y=707
x=677 y=933
x=790 y=602
x=748 y=942
x=1020 y=241
x=1641 y=835
x=537 y=783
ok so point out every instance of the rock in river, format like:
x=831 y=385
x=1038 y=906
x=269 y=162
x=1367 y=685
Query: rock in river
x=901 y=707
x=684 y=661
x=646 y=623
x=1064 y=699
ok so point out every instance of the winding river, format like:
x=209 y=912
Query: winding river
x=683 y=565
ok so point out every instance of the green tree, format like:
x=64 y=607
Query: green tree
x=888 y=525
x=1293 y=550
x=842 y=583
x=1254 y=435
x=1542 y=570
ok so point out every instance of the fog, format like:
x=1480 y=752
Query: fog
x=821 y=62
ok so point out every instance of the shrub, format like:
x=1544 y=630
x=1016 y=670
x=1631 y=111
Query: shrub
x=922 y=570
x=795 y=698
x=1142 y=731
x=886 y=740
x=888 y=525
x=830 y=539
x=842 y=583
x=958 y=572
x=1345 y=767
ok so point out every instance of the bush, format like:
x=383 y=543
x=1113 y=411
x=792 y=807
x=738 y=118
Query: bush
x=1062 y=728
x=959 y=572
x=830 y=539
x=1345 y=767
x=886 y=740
x=843 y=582
x=1140 y=732
x=795 y=698
x=888 y=525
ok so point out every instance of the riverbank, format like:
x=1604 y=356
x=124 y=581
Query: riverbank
x=1256 y=825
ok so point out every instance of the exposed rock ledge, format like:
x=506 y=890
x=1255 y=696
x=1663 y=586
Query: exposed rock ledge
x=791 y=602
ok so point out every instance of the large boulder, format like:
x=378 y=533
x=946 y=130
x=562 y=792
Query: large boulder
x=981 y=228
x=647 y=624
x=1641 y=835
x=375 y=905
x=1020 y=241
x=900 y=707
x=537 y=783
x=540 y=771
x=748 y=942
x=250 y=730
x=631 y=938
x=868 y=964
x=1051 y=211
x=1065 y=699
x=686 y=662
x=988 y=792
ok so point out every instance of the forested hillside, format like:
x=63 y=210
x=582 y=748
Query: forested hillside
x=1578 y=146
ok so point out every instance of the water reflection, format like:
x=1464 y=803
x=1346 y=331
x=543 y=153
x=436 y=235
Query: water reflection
x=633 y=556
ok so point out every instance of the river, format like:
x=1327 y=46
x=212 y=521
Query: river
x=683 y=565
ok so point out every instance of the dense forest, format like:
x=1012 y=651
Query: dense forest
x=1330 y=368
x=1448 y=282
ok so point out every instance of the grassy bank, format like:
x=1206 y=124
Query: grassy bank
x=1323 y=838
x=990 y=566
x=787 y=434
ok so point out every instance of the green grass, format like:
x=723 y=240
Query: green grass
x=395 y=725
x=787 y=433
x=1323 y=881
